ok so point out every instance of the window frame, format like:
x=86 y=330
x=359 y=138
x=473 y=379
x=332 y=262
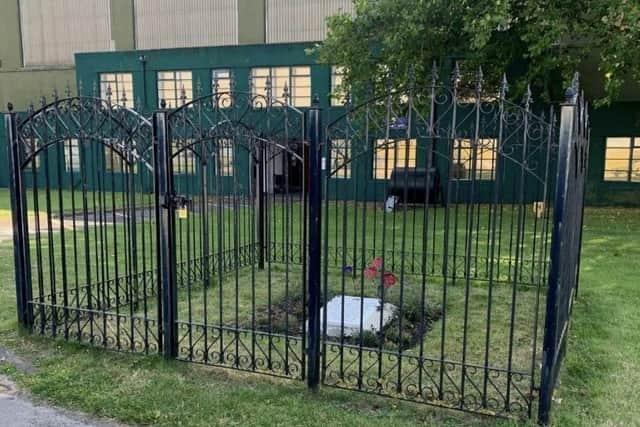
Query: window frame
x=225 y=101
x=115 y=88
x=258 y=89
x=633 y=153
x=341 y=151
x=337 y=78
x=381 y=144
x=482 y=149
x=68 y=146
x=178 y=85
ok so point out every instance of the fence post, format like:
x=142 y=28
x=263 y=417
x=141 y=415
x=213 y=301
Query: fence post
x=554 y=333
x=166 y=233
x=20 y=222
x=260 y=198
x=314 y=127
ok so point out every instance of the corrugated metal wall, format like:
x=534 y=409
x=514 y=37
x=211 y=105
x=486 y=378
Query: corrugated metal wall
x=53 y=30
x=301 y=20
x=185 y=23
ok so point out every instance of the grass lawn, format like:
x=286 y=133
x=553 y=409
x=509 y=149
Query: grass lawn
x=598 y=383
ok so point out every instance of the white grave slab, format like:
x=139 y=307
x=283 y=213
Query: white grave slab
x=370 y=319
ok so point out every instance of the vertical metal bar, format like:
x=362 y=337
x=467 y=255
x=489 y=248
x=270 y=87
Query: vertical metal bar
x=315 y=254
x=20 y=224
x=552 y=342
x=260 y=199
x=166 y=233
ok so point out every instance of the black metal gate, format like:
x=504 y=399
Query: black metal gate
x=234 y=187
x=413 y=247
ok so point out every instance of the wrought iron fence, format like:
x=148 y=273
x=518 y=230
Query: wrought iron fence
x=423 y=244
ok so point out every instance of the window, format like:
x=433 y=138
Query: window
x=120 y=85
x=622 y=159
x=71 y=155
x=184 y=161
x=115 y=162
x=297 y=80
x=226 y=157
x=337 y=91
x=463 y=152
x=340 y=156
x=222 y=78
x=170 y=87
x=393 y=154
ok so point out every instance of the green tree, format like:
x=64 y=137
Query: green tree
x=543 y=41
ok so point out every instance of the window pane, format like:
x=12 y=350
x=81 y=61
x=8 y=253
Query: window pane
x=393 y=155
x=618 y=143
x=340 y=156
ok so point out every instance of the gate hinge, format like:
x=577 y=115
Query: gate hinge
x=175 y=201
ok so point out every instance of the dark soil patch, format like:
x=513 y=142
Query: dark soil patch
x=286 y=316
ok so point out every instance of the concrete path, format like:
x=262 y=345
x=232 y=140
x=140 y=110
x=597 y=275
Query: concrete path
x=16 y=410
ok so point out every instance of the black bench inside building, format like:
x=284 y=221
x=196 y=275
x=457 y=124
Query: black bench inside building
x=413 y=186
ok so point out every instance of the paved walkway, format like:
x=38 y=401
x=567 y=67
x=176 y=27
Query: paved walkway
x=17 y=410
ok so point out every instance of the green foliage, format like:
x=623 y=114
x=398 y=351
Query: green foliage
x=547 y=39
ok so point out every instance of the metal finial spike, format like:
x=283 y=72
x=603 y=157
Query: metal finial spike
x=138 y=104
x=55 y=94
x=67 y=91
x=315 y=101
x=43 y=101
x=94 y=89
x=80 y=88
x=285 y=92
x=123 y=99
x=504 y=87
x=163 y=103
x=434 y=73
x=10 y=107
x=109 y=93
x=527 y=96
x=455 y=75
x=232 y=82
x=216 y=85
x=479 y=80
x=267 y=86
x=183 y=95
x=198 y=87
x=30 y=108
x=347 y=99
x=412 y=77
x=575 y=82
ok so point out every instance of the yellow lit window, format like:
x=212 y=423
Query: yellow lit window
x=296 y=79
x=171 y=85
x=463 y=155
x=622 y=159
x=393 y=154
x=337 y=91
x=121 y=87
x=222 y=79
x=340 y=156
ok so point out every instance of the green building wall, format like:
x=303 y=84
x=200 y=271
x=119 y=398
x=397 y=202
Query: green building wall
x=619 y=119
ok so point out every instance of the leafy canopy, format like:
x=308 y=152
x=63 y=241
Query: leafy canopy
x=544 y=40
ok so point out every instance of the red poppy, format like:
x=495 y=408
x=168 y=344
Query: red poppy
x=388 y=279
x=370 y=273
x=376 y=263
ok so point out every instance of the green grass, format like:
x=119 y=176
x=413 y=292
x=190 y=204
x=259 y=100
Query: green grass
x=599 y=380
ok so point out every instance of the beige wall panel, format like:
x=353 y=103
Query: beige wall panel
x=185 y=23
x=54 y=30
x=300 y=21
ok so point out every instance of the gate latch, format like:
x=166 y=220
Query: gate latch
x=176 y=201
